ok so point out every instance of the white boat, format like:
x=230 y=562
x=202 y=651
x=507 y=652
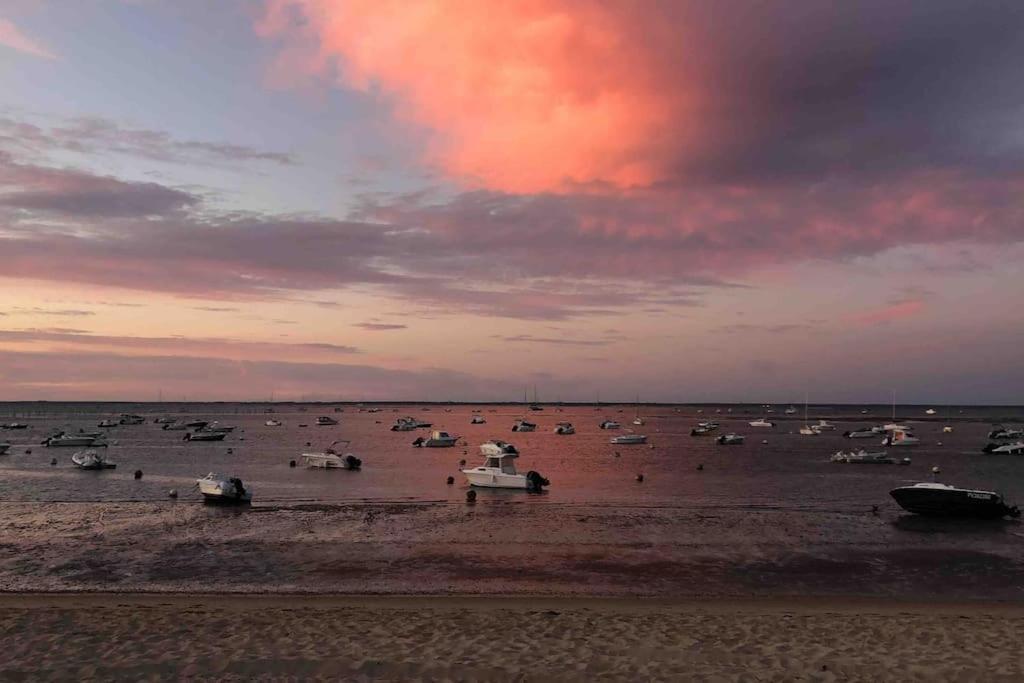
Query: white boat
x=639 y=421
x=524 y=426
x=730 y=439
x=930 y=411
x=14 y=425
x=324 y=421
x=564 y=428
x=205 y=436
x=404 y=424
x=609 y=424
x=91 y=460
x=129 y=419
x=499 y=472
x=1016 y=448
x=762 y=422
x=477 y=420
x=438 y=439
x=1002 y=433
x=331 y=459
x=497 y=447
x=108 y=423
x=272 y=423
x=947 y=429
x=217 y=488
x=628 y=439
x=823 y=426
x=807 y=430
x=73 y=440
x=862 y=433
x=900 y=437
x=862 y=457
x=895 y=427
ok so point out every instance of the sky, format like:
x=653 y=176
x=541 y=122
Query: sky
x=450 y=200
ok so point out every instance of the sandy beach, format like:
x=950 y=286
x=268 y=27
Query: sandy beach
x=149 y=637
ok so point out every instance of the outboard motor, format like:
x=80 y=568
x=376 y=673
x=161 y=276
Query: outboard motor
x=239 y=488
x=990 y=448
x=419 y=442
x=352 y=462
x=535 y=482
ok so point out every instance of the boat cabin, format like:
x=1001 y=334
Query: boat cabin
x=505 y=463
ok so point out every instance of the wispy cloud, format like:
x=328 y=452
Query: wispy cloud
x=380 y=327
x=13 y=37
x=560 y=341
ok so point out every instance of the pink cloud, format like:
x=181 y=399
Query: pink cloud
x=895 y=312
x=11 y=36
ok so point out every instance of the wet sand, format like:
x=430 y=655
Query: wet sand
x=102 y=636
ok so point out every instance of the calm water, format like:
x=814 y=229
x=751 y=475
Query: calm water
x=788 y=472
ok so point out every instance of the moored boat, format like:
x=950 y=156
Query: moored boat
x=14 y=425
x=217 y=488
x=499 y=471
x=130 y=419
x=609 y=424
x=438 y=439
x=325 y=421
x=522 y=425
x=107 y=423
x=730 y=439
x=74 y=440
x=205 y=436
x=91 y=460
x=863 y=457
x=1016 y=448
x=942 y=500
x=862 y=433
x=497 y=447
x=477 y=420
x=762 y=422
x=628 y=439
x=331 y=459
x=564 y=428
x=900 y=437
x=4 y=447
x=272 y=423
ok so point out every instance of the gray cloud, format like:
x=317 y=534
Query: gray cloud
x=380 y=327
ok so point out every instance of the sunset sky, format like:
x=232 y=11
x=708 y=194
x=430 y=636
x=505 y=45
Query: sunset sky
x=454 y=200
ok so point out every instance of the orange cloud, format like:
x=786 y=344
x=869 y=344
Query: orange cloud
x=521 y=97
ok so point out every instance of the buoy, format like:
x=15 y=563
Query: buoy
x=53 y=461
x=308 y=444
x=470 y=496
x=462 y=463
x=28 y=451
x=617 y=454
x=291 y=463
x=138 y=474
x=700 y=467
x=451 y=480
x=231 y=451
x=639 y=477
x=173 y=493
x=874 y=509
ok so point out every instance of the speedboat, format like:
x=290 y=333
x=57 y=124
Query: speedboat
x=437 y=439
x=477 y=420
x=942 y=500
x=197 y=424
x=14 y=425
x=272 y=423
x=1016 y=448
x=205 y=436
x=163 y=420
x=217 y=488
x=404 y=424
x=823 y=426
x=862 y=433
x=524 y=426
x=499 y=472
x=763 y=422
x=324 y=421
x=609 y=424
x=217 y=427
x=900 y=438
x=91 y=460
x=999 y=432
x=331 y=459
x=74 y=440
x=863 y=457
x=497 y=447
x=704 y=428
x=108 y=423
x=730 y=439
x=129 y=419
x=628 y=439
x=564 y=428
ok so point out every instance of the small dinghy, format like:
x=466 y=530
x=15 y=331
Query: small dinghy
x=91 y=460
x=524 y=426
x=272 y=423
x=564 y=428
x=763 y=422
x=942 y=500
x=217 y=488
x=730 y=439
x=628 y=439
x=331 y=459
x=205 y=436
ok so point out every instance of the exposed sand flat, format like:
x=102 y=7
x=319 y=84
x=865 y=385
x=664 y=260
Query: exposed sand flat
x=67 y=637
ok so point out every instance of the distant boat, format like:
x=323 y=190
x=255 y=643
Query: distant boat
x=762 y=422
x=205 y=436
x=197 y=424
x=163 y=420
x=638 y=421
x=129 y=419
x=272 y=423
x=942 y=500
x=477 y=420
x=900 y=437
x=73 y=440
x=14 y=425
x=324 y=421
x=499 y=471
x=999 y=432
x=730 y=439
x=862 y=433
x=1016 y=448
x=497 y=447
x=217 y=488
x=823 y=426
x=790 y=411
x=863 y=457
x=628 y=439
x=522 y=425
x=107 y=423
x=564 y=428
x=91 y=460
x=330 y=459
x=609 y=424
x=438 y=439
x=217 y=427
x=4 y=447
x=174 y=426
x=930 y=411
x=704 y=428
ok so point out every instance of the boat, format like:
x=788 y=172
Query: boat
x=999 y=432
x=863 y=457
x=497 y=447
x=91 y=460
x=900 y=437
x=807 y=430
x=823 y=426
x=272 y=423
x=628 y=439
x=205 y=436
x=762 y=422
x=862 y=433
x=638 y=421
x=217 y=488
x=522 y=425
x=4 y=447
x=609 y=424
x=564 y=428
x=217 y=427
x=1015 y=448
x=477 y=420
x=130 y=419
x=197 y=424
x=325 y=421
x=107 y=423
x=74 y=440
x=947 y=429
x=14 y=425
x=404 y=424
x=730 y=439
x=499 y=472
x=930 y=411
x=331 y=459
x=942 y=500
x=790 y=410
x=438 y=439
x=174 y=426
x=163 y=420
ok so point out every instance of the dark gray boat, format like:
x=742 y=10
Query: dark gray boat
x=942 y=500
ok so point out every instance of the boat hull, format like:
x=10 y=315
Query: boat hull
x=951 y=503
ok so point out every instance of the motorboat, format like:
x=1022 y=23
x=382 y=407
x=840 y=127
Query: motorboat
x=163 y=420
x=863 y=457
x=609 y=424
x=130 y=419
x=497 y=447
x=808 y=430
x=762 y=422
x=790 y=410
x=947 y=429
x=174 y=427
x=438 y=439
x=942 y=500
x=628 y=439
x=1015 y=448
x=900 y=438
x=639 y=421
x=272 y=423
x=197 y=424
x=331 y=459
x=404 y=424
x=499 y=472
x=564 y=428
x=1001 y=433
x=895 y=427
x=930 y=411
x=477 y=420
x=325 y=421
x=524 y=426
x=730 y=439
x=91 y=460
x=862 y=433
x=217 y=427
x=217 y=488
x=107 y=423
x=205 y=436
x=823 y=426
x=704 y=428
x=74 y=440
x=14 y=425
